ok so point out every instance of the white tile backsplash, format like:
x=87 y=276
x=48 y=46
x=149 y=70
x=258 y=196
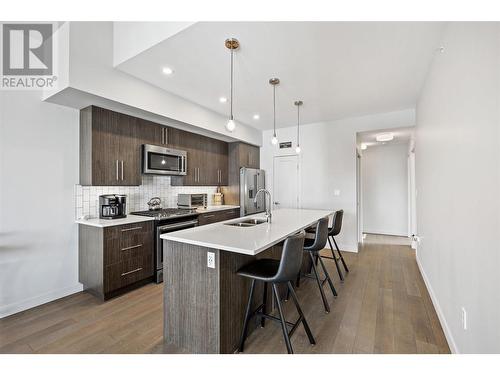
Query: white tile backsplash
x=87 y=197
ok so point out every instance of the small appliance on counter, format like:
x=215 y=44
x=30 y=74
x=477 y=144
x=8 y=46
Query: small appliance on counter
x=192 y=200
x=112 y=206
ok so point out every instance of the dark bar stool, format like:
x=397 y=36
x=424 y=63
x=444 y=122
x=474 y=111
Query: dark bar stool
x=275 y=272
x=332 y=232
x=313 y=247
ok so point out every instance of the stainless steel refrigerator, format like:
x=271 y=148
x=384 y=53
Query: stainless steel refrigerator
x=251 y=180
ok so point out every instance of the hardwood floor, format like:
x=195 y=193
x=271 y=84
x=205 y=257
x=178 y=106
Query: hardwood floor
x=383 y=307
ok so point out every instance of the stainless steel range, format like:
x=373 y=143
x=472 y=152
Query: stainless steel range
x=168 y=220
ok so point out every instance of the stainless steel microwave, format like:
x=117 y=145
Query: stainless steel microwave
x=164 y=161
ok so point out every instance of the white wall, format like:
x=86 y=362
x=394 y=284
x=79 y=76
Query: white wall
x=38 y=171
x=385 y=189
x=328 y=162
x=458 y=184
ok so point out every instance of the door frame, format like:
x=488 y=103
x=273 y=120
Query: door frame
x=299 y=191
x=359 y=198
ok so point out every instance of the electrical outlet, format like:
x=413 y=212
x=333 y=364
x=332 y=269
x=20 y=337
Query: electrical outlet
x=464 y=319
x=210 y=260
x=336 y=192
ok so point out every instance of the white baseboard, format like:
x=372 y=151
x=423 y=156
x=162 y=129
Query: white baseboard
x=442 y=320
x=29 y=303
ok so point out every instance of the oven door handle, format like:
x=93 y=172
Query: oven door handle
x=185 y=224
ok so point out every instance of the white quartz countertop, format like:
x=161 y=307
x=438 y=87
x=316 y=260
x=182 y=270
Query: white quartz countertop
x=222 y=207
x=101 y=223
x=249 y=240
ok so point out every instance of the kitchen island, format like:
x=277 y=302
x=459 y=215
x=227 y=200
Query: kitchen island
x=204 y=298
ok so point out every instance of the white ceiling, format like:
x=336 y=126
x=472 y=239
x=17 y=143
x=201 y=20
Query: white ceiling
x=339 y=69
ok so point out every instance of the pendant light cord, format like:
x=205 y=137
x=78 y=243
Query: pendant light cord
x=231 y=94
x=298 y=123
x=274 y=110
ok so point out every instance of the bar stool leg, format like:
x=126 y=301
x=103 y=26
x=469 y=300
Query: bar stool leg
x=341 y=257
x=341 y=275
x=301 y=314
x=282 y=319
x=264 y=303
x=247 y=318
x=327 y=275
x=323 y=297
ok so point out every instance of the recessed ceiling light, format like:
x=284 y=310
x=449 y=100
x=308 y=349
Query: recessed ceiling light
x=256 y=116
x=168 y=71
x=384 y=137
x=364 y=146
x=223 y=99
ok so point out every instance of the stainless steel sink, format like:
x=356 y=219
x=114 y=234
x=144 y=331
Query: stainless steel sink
x=248 y=223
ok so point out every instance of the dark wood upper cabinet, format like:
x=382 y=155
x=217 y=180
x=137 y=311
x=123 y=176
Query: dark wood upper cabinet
x=249 y=156
x=207 y=161
x=111 y=150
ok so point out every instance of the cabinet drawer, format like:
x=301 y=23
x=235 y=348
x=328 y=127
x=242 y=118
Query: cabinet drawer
x=216 y=216
x=129 y=271
x=229 y=214
x=208 y=218
x=124 y=242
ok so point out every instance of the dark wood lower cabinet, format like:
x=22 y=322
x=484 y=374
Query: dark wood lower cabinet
x=216 y=216
x=115 y=259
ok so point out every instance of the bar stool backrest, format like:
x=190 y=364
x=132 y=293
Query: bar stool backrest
x=321 y=236
x=291 y=258
x=337 y=222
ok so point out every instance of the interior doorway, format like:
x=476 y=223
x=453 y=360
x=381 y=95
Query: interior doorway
x=286 y=192
x=386 y=182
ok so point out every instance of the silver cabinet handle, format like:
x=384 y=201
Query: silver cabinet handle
x=122 y=170
x=129 y=272
x=166 y=136
x=206 y=216
x=117 y=175
x=131 y=247
x=129 y=229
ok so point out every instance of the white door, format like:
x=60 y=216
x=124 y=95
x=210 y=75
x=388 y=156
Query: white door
x=286 y=182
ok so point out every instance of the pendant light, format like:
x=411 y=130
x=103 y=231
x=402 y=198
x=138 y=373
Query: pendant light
x=274 y=82
x=298 y=103
x=231 y=44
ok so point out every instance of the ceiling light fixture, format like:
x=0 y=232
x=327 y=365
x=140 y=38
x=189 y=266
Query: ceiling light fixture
x=364 y=146
x=384 y=137
x=273 y=82
x=168 y=71
x=256 y=116
x=298 y=103
x=231 y=44
x=223 y=99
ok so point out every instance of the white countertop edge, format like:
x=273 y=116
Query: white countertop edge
x=236 y=249
x=102 y=223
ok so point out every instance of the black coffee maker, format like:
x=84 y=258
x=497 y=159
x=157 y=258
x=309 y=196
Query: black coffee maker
x=112 y=206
